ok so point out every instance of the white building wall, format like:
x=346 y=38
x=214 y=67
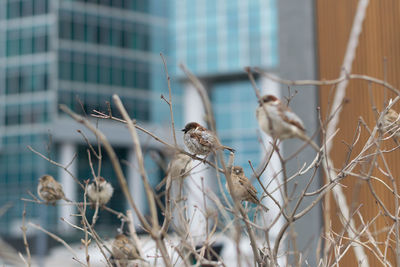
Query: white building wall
x=194 y=111
x=272 y=177
x=136 y=186
x=67 y=154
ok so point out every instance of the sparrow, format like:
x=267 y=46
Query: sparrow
x=201 y=141
x=279 y=121
x=178 y=169
x=123 y=249
x=49 y=189
x=242 y=187
x=391 y=122
x=100 y=191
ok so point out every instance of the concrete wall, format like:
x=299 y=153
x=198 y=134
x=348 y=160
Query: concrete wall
x=297 y=56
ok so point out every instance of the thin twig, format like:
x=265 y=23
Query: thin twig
x=155 y=227
x=58 y=239
x=24 y=229
x=58 y=165
x=114 y=161
x=169 y=102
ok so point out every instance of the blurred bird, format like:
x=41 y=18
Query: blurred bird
x=178 y=169
x=9 y=254
x=391 y=123
x=279 y=121
x=100 y=191
x=123 y=250
x=201 y=141
x=242 y=187
x=50 y=190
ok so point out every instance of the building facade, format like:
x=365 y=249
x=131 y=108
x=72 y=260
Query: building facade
x=76 y=53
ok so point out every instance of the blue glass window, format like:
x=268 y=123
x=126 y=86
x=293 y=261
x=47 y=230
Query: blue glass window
x=23 y=8
x=27 y=78
x=234 y=105
x=27 y=40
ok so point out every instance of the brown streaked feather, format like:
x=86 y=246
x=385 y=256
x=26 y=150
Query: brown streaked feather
x=295 y=123
x=197 y=136
x=268 y=98
x=201 y=128
x=252 y=197
x=282 y=110
x=391 y=116
x=252 y=190
x=52 y=191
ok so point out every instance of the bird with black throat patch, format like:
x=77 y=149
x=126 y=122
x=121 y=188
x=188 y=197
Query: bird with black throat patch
x=279 y=121
x=201 y=141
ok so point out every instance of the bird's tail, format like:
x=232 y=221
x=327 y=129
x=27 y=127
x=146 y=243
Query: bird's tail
x=229 y=148
x=308 y=140
x=66 y=199
x=264 y=207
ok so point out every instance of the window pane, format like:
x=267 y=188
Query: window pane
x=41 y=6
x=91 y=29
x=27 y=8
x=104 y=32
x=64 y=66
x=78 y=29
x=40 y=44
x=12 y=81
x=13 y=9
x=25 y=79
x=91 y=63
x=13 y=42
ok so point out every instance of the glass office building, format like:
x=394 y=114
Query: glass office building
x=76 y=53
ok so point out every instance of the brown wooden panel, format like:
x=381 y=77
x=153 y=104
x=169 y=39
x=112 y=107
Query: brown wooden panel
x=379 y=40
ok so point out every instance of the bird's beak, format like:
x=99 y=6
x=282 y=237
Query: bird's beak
x=183 y=130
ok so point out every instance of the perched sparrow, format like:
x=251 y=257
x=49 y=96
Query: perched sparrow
x=178 y=168
x=123 y=249
x=100 y=190
x=49 y=189
x=278 y=121
x=201 y=141
x=242 y=187
x=391 y=122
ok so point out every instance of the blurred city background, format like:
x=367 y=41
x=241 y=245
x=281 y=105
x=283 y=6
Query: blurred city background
x=80 y=52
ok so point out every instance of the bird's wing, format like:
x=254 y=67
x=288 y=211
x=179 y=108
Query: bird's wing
x=51 y=189
x=201 y=138
x=244 y=181
x=291 y=118
x=253 y=193
x=131 y=251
